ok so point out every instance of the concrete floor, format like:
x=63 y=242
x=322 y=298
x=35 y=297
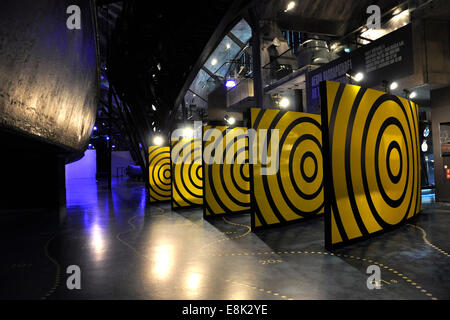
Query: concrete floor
x=128 y=251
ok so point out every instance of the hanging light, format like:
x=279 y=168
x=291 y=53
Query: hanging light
x=393 y=85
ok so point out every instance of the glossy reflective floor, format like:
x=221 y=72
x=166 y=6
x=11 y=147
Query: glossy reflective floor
x=127 y=250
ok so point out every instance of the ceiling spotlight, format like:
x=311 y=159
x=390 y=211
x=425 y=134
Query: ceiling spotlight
x=358 y=77
x=228 y=46
x=158 y=140
x=153 y=107
x=214 y=62
x=397 y=11
x=393 y=85
x=230 y=83
x=230 y=120
x=284 y=102
x=188 y=132
x=107 y=138
x=412 y=95
x=95 y=128
x=355 y=76
x=290 y=6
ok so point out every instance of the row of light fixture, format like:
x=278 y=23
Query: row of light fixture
x=388 y=86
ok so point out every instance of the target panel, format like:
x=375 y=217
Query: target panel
x=295 y=190
x=159 y=173
x=187 y=173
x=371 y=152
x=227 y=176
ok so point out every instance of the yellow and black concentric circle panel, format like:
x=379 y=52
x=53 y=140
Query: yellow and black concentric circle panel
x=226 y=170
x=187 y=173
x=371 y=152
x=159 y=173
x=295 y=190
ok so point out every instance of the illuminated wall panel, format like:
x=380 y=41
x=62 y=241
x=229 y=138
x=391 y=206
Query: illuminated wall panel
x=159 y=173
x=187 y=173
x=372 y=167
x=227 y=176
x=295 y=190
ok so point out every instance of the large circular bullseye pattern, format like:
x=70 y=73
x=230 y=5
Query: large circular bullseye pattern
x=187 y=181
x=295 y=190
x=374 y=160
x=227 y=180
x=159 y=173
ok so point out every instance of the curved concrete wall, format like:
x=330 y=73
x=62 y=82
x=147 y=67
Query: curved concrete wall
x=48 y=73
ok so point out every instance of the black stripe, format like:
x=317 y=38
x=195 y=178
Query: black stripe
x=336 y=215
x=348 y=176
